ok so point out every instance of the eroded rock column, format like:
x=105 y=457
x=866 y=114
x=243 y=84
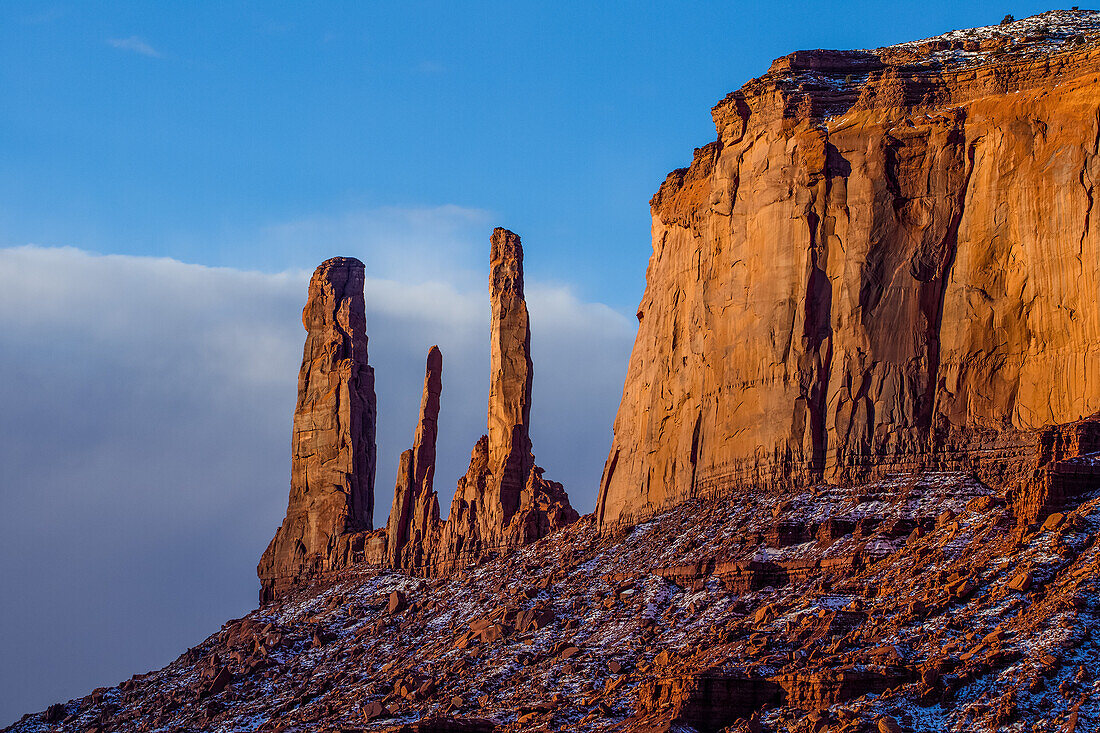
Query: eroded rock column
x=414 y=518
x=510 y=371
x=503 y=502
x=333 y=441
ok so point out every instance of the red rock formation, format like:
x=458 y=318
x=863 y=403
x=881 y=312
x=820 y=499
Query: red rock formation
x=510 y=374
x=706 y=701
x=333 y=446
x=413 y=528
x=503 y=501
x=970 y=617
x=1069 y=457
x=913 y=602
x=888 y=259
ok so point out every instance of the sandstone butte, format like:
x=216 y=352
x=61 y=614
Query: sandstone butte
x=887 y=260
x=501 y=503
x=858 y=422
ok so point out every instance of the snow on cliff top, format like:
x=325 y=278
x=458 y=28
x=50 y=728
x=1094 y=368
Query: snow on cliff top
x=1029 y=39
x=1049 y=32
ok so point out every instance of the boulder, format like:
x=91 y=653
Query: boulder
x=397 y=603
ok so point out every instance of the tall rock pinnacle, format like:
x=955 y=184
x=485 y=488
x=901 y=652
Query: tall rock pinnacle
x=333 y=443
x=510 y=370
x=503 y=502
x=414 y=517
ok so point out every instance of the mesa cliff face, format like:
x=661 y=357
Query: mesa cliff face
x=887 y=260
x=333 y=442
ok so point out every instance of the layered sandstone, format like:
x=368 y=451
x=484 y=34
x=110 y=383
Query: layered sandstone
x=888 y=259
x=333 y=440
x=413 y=527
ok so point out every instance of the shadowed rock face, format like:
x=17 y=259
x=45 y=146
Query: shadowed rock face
x=888 y=259
x=333 y=443
x=412 y=531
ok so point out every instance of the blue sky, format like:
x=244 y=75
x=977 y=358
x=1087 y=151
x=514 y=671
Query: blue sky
x=188 y=129
x=170 y=174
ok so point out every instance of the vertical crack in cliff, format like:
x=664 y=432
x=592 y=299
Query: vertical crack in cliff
x=949 y=247
x=1090 y=187
x=817 y=325
x=1088 y=211
x=695 y=451
x=609 y=472
x=743 y=112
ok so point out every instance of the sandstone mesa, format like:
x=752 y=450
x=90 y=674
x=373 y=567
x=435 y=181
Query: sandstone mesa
x=886 y=261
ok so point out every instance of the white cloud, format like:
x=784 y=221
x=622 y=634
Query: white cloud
x=409 y=244
x=135 y=44
x=144 y=440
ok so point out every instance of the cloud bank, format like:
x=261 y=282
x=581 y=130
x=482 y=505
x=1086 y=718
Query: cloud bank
x=144 y=440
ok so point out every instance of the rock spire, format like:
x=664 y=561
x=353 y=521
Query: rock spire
x=503 y=502
x=510 y=371
x=414 y=518
x=333 y=440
